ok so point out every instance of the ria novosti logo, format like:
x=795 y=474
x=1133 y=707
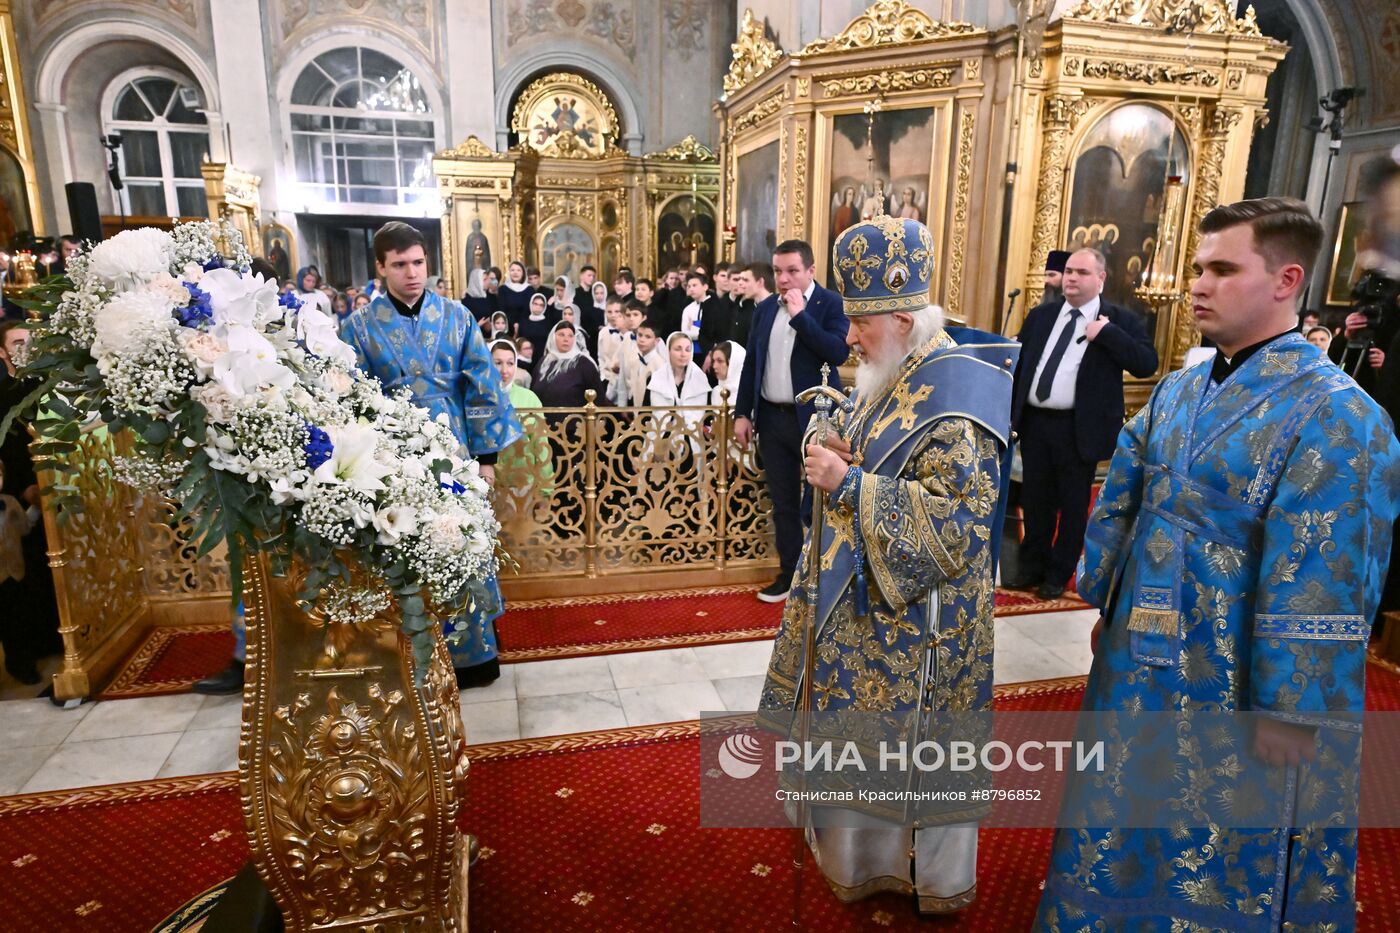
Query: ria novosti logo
x=740 y=756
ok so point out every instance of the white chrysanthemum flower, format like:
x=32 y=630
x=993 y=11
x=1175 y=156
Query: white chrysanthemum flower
x=131 y=321
x=131 y=258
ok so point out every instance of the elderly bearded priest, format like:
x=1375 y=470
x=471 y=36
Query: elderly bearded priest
x=904 y=601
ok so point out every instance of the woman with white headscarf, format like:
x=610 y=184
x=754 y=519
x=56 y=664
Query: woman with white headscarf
x=567 y=371
x=727 y=361
x=500 y=326
x=681 y=383
x=480 y=304
x=514 y=296
x=563 y=298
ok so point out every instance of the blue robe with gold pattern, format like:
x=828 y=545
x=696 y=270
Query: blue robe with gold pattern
x=929 y=449
x=441 y=357
x=1237 y=550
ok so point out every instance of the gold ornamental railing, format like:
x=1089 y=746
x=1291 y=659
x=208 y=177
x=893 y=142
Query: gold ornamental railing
x=592 y=500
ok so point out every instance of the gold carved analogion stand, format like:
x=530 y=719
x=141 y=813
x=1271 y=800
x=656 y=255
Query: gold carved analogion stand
x=352 y=777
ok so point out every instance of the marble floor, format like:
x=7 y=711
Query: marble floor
x=44 y=747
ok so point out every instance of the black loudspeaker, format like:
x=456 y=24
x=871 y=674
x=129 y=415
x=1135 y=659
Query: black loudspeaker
x=83 y=214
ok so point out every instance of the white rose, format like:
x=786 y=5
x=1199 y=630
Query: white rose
x=203 y=349
x=395 y=522
x=216 y=401
x=131 y=258
x=172 y=288
x=131 y=321
x=338 y=381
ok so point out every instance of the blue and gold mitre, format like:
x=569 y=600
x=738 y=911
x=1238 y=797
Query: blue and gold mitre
x=883 y=264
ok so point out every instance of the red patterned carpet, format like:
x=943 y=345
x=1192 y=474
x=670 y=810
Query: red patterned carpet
x=587 y=832
x=573 y=627
x=170 y=659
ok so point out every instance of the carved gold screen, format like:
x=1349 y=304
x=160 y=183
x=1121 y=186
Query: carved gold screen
x=606 y=499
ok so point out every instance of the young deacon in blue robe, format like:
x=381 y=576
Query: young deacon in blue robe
x=1237 y=554
x=414 y=339
x=904 y=602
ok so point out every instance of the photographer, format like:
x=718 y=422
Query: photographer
x=1374 y=323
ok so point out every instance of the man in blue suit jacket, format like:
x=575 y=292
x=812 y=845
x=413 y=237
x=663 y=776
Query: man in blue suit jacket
x=794 y=332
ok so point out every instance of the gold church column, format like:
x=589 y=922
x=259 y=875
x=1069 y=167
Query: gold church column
x=1061 y=115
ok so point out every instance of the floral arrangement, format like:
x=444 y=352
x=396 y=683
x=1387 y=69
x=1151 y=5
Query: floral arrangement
x=247 y=409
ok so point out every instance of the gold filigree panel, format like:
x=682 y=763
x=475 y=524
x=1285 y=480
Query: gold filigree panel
x=612 y=491
x=914 y=79
x=962 y=190
x=97 y=551
x=172 y=569
x=1215 y=17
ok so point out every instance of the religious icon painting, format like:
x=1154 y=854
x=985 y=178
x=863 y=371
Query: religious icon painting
x=1122 y=171
x=880 y=166
x=279 y=249
x=757 y=200
x=565 y=114
x=565 y=249
x=685 y=233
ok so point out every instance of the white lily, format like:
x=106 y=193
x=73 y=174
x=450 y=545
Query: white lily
x=353 y=462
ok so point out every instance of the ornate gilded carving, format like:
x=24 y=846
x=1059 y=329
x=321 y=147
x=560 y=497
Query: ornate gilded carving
x=804 y=87
x=351 y=776
x=758 y=112
x=1035 y=66
x=689 y=149
x=1070 y=66
x=471 y=148
x=799 y=186
x=1062 y=113
x=473 y=183
x=886 y=81
x=962 y=190
x=886 y=22
x=636 y=489
x=786 y=158
x=1145 y=73
x=552 y=205
x=566 y=115
x=972 y=69
x=754 y=54
x=1233 y=79
x=1184 y=16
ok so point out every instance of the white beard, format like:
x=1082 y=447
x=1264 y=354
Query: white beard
x=873 y=377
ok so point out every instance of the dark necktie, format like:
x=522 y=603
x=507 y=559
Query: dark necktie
x=1047 y=376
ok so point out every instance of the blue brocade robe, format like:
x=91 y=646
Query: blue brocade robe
x=1238 y=549
x=930 y=450
x=443 y=360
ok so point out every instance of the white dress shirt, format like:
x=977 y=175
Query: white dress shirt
x=777 y=370
x=1062 y=387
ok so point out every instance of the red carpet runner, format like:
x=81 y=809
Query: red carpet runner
x=170 y=659
x=587 y=832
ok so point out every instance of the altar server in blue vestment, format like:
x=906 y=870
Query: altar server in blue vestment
x=904 y=598
x=1236 y=554
x=431 y=345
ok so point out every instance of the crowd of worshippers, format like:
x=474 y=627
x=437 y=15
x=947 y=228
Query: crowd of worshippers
x=677 y=342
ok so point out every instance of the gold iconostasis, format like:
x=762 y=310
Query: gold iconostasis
x=1119 y=128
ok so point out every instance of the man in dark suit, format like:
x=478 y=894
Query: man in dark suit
x=1067 y=409
x=793 y=333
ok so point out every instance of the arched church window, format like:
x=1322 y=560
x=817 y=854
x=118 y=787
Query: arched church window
x=165 y=137
x=362 y=130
